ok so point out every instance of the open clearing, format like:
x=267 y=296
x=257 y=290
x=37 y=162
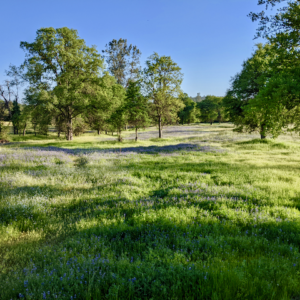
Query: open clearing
x=204 y=213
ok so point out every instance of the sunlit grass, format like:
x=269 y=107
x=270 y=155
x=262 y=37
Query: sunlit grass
x=217 y=218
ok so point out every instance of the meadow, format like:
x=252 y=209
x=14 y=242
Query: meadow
x=204 y=213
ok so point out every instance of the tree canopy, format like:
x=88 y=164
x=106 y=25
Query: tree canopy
x=59 y=64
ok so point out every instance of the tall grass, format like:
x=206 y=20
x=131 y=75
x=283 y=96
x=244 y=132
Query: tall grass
x=209 y=217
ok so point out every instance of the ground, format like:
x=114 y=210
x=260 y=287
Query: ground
x=204 y=213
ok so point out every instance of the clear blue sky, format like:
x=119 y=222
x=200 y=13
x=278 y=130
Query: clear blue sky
x=208 y=39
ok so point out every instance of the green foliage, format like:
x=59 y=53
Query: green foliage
x=100 y=109
x=16 y=114
x=190 y=113
x=136 y=107
x=209 y=109
x=59 y=58
x=79 y=125
x=240 y=100
x=123 y=61
x=162 y=80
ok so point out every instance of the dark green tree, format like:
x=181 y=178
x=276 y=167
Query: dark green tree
x=137 y=108
x=209 y=110
x=16 y=114
x=190 y=113
x=245 y=87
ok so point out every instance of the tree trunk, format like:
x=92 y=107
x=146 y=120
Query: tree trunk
x=159 y=127
x=99 y=132
x=24 y=129
x=136 y=134
x=262 y=132
x=69 y=130
x=105 y=131
x=58 y=133
x=210 y=123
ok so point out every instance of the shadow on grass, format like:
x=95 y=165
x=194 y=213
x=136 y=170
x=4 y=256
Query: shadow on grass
x=134 y=150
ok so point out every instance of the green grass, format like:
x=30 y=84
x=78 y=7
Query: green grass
x=178 y=224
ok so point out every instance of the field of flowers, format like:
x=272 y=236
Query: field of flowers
x=213 y=215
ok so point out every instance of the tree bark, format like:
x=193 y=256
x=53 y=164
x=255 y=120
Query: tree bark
x=262 y=132
x=69 y=130
x=159 y=127
x=99 y=132
x=24 y=129
x=136 y=134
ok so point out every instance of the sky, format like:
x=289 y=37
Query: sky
x=208 y=39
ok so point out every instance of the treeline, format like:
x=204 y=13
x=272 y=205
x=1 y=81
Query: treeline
x=67 y=87
x=265 y=95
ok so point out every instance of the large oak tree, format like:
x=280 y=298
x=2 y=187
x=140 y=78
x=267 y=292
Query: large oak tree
x=66 y=71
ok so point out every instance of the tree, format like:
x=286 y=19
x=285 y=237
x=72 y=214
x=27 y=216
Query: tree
x=285 y=21
x=279 y=96
x=16 y=114
x=218 y=107
x=136 y=106
x=8 y=95
x=162 y=80
x=59 y=64
x=190 y=113
x=111 y=97
x=209 y=110
x=245 y=86
x=123 y=61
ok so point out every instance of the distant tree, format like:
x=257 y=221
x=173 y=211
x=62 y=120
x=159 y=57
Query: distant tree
x=8 y=94
x=190 y=113
x=16 y=114
x=218 y=106
x=122 y=60
x=161 y=81
x=209 y=110
x=38 y=111
x=60 y=64
x=79 y=125
x=136 y=106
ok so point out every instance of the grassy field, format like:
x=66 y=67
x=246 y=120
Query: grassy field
x=202 y=214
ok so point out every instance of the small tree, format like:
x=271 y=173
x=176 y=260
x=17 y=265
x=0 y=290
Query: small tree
x=16 y=114
x=162 y=79
x=136 y=106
